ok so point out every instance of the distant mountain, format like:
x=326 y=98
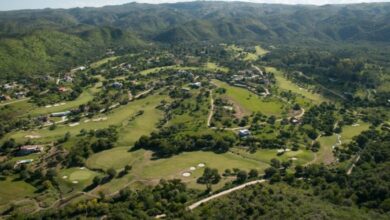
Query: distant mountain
x=48 y=40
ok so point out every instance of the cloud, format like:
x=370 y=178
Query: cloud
x=34 y=4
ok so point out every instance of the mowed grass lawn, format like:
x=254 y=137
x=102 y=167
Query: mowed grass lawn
x=208 y=66
x=77 y=177
x=103 y=61
x=119 y=116
x=348 y=132
x=325 y=154
x=256 y=55
x=116 y=158
x=265 y=155
x=83 y=98
x=250 y=101
x=174 y=166
x=285 y=84
x=11 y=190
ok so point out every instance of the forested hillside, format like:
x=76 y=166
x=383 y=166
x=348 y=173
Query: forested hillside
x=47 y=41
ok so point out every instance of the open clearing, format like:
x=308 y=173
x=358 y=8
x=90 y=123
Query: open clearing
x=103 y=61
x=115 y=117
x=11 y=190
x=350 y=131
x=116 y=158
x=285 y=84
x=256 y=55
x=84 y=97
x=250 y=101
x=265 y=155
x=208 y=66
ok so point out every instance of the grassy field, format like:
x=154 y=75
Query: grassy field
x=76 y=178
x=256 y=55
x=174 y=167
x=144 y=124
x=250 y=101
x=84 y=97
x=325 y=154
x=208 y=66
x=265 y=155
x=285 y=84
x=103 y=61
x=214 y=67
x=348 y=132
x=11 y=190
x=116 y=158
x=118 y=117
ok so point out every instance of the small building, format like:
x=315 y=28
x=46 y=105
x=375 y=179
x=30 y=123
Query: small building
x=244 y=133
x=30 y=149
x=23 y=162
x=60 y=114
x=62 y=89
x=5 y=97
x=19 y=95
x=68 y=79
x=196 y=85
x=294 y=121
x=117 y=85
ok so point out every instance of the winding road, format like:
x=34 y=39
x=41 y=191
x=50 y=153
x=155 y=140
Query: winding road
x=196 y=204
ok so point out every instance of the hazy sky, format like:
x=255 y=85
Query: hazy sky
x=33 y=4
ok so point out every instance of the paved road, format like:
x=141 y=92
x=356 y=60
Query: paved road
x=196 y=204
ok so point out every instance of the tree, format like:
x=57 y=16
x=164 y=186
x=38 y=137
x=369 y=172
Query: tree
x=111 y=173
x=210 y=176
x=296 y=107
x=97 y=180
x=253 y=173
x=275 y=163
x=242 y=176
x=269 y=172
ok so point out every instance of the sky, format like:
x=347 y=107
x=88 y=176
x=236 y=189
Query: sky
x=35 y=4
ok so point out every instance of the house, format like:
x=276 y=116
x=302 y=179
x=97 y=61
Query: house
x=5 y=97
x=294 y=121
x=196 y=85
x=117 y=85
x=19 y=95
x=60 y=114
x=23 y=162
x=29 y=149
x=244 y=133
x=62 y=89
x=9 y=86
x=68 y=79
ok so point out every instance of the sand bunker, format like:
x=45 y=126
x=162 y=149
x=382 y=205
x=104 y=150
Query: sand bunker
x=65 y=177
x=99 y=119
x=186 y=174
x=294 y=158
x=201 y=165
x=32 y=136
x=75 y=182
x=192 y=168
x=74 y=124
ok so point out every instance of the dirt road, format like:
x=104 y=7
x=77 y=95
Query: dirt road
x=196 y=204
